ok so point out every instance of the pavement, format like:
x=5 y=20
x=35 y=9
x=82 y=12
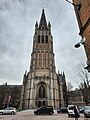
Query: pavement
x=29 y=115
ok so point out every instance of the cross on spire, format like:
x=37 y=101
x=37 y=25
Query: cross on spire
x=43 y=22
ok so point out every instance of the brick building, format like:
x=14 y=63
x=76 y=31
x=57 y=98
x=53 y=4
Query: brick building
x=83 y=18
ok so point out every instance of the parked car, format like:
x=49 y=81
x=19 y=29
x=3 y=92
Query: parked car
x=44 y=110
x=81 y=109
x=8 y=110
x=71 y=110
x=62 y=110
x=87 y=111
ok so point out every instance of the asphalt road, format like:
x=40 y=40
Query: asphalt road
x=28 y=115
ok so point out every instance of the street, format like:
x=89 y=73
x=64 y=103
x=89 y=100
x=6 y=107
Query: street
x=28 y=115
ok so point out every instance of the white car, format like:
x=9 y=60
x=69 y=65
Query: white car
x=70 y=110
x=8 y=110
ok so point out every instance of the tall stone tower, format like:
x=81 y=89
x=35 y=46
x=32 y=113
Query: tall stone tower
x=41 y=85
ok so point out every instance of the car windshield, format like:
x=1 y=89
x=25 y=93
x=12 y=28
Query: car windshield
x=63 y=107
x=87 y=107
x=40 y=108
x=71 y=108
x=80 y=107
x=9 y=108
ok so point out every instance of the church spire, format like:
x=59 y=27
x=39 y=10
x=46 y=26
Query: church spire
x=43 y=22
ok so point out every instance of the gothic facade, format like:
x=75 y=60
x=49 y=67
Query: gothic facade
x=42 y=85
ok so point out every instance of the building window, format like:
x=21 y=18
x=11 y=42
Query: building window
x=46 y=39
x=42 y=91
x=42 y=38
x=38 y=38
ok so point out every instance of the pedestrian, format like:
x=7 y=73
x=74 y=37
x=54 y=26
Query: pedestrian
x=76 y=113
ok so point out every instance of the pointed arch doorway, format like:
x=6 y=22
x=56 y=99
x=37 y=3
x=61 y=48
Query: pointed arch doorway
x=41 y=95
x=41 y=103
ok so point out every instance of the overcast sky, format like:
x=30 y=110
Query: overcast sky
x=17 y=27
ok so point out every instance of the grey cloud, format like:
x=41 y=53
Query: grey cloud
x=17 y=19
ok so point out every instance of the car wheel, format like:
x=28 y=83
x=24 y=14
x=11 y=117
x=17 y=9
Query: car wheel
x=85 y=116
x=50 y=113
x=1 y=113
x=38 y=113
x=68 y=115
x=13 y=113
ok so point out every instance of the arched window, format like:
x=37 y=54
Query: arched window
x=42 y=91
x=46 y=39
x=38 y=38
x=42 y=38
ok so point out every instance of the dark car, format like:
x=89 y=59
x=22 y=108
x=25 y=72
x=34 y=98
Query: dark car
x=81 y=109
x=87 y=111
x=44 y=110
x=62 y=110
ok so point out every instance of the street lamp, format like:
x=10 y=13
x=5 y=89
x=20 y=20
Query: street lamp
x=77 y=8
x=77 y=45
x=88 y=67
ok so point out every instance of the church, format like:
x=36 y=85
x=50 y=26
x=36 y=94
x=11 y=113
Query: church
x=42 y=86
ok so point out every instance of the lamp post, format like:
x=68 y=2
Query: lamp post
x=77 y=8
x=77 y=45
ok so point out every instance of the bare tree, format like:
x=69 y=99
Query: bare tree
x=69 y=86
x=84 y=82
x=69 y=89
x=3 y=89
x=9 y=95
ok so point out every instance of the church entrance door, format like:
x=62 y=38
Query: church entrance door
x=41 y=103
